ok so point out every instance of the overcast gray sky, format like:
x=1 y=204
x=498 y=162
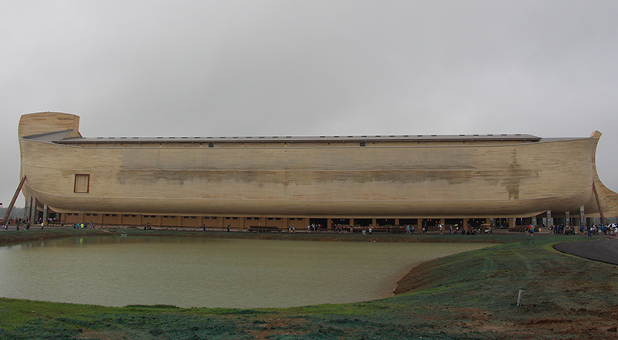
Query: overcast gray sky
x=246 y=68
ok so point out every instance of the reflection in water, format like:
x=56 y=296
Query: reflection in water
x=209 y=272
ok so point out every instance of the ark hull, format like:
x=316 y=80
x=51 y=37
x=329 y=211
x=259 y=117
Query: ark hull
x=352 y=177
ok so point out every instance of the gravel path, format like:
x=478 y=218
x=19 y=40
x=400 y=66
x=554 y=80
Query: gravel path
x=605 y=250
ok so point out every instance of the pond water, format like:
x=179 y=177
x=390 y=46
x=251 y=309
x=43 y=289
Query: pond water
x=209 y=272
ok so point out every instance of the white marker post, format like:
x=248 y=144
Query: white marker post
x=520 y=297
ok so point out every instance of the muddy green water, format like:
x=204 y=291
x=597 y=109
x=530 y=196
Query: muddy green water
x=204 y=272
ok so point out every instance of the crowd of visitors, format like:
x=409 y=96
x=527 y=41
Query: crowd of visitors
x=84 y=226
x=595 y=229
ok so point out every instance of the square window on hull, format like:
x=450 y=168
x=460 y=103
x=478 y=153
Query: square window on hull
x=82 y=183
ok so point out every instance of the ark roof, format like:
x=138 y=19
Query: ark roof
x=274 y=139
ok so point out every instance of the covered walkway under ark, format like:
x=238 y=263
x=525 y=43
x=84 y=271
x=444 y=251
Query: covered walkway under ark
x=301 y=223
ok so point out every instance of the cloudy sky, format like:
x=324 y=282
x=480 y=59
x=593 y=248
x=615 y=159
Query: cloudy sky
x=246 y=68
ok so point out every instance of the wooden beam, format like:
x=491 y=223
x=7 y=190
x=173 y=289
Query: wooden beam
x=8 y=211
x=596 y=197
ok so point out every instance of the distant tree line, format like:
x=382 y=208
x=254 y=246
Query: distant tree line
x=15 y=213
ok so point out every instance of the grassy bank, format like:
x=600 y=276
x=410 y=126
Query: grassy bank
x=465 y=296
x=36 y=234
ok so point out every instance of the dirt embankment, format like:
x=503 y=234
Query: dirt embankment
x=36 y=234
x=419 y=277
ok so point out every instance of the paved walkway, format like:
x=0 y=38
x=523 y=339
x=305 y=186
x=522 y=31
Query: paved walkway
x=598 y=250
